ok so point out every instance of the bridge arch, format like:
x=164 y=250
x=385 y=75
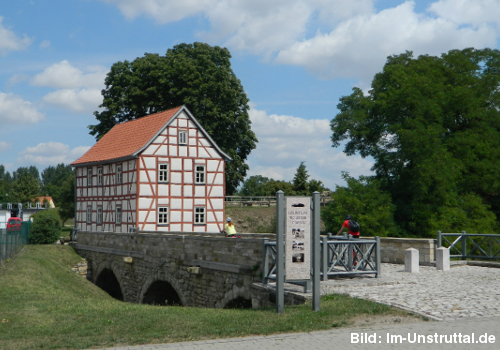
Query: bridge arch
x=108 y=280
x=160 y=287
x=236 y=298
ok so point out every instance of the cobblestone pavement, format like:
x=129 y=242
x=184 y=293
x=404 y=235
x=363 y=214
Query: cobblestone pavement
x=466 y=299
x=464 y=291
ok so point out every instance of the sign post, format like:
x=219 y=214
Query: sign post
x=280 y=253
x=297 y=240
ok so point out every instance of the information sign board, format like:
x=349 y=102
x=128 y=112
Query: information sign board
x=298 y=238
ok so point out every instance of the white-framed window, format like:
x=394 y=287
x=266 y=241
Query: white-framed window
x=199 y=174
x=162 y=215
x=89 y=215
x=99 y=215
x=163 y=172
x=199 y=215
x=89 y=177
x=183 y=137
x=118 y=215
x=99 y=176
x=118 y=173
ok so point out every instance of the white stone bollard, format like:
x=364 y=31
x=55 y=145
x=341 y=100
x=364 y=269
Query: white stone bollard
x=443 y=259
x=411 y=260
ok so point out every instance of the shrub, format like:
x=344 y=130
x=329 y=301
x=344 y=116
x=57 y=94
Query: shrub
x=46 y=228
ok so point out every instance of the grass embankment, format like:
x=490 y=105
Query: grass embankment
x=44 y=304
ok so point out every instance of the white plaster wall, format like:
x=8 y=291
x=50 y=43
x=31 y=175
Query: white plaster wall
x=199 y=191
x=175 y=216
x=162 y=151
x=176 y=164
x=217 y=191
x=188 y=204
x=145 y=190
x=188 y=177
x=175 y=190
x=188 y=191
x=163 y=201
x=162 y=190
x=175 y=177
x=217 y=204
x=192 y=152
x=187 y=216
x=212 y=228
x=176 y=203
x=145 y=203
x=150 y=162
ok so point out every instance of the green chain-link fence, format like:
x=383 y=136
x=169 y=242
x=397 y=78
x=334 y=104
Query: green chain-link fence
x=12 y=241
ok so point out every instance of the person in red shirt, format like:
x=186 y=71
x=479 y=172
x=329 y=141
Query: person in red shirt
x=346 y=225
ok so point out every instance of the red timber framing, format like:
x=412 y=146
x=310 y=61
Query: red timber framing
x=173 y=181
x=109 y=196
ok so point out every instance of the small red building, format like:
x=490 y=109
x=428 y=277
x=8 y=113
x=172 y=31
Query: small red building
x=161 y=172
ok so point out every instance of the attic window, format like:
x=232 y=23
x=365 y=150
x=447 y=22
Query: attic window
x=119 y=174
x=99 y=176
x=89 y=177
x=182 y=137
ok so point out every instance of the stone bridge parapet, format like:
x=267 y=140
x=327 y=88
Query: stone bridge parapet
x=187 y=269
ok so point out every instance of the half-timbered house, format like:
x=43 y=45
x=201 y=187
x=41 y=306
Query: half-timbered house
x=161 y=172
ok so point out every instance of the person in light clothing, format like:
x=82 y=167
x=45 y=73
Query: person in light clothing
x=229 y=228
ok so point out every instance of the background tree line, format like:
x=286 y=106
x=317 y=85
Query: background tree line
x=258 y=185
x=26 y=183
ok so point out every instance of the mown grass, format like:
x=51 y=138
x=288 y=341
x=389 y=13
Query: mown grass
x=45 y=305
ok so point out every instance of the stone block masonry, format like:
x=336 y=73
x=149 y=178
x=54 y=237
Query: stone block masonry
x=204 y=270
x=392 y=250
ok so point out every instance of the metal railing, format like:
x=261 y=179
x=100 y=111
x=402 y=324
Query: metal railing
x=343 y=256
x=12 y=241
x=470 y=245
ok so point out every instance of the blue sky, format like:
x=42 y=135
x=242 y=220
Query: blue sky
x=295 y=59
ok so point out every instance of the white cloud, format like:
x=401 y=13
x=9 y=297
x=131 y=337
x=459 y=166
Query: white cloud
x=64 y=75
x=10 y=42
x=75 y=100
x=332 y=38
x=80 y=92
x=4 y=146
x=258 y=26
x=285 y=141
x=51 y=153
x=358 y=47
x=14 y=110
x=475 y=12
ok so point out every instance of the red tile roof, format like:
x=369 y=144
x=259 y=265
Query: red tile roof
x=126 y=139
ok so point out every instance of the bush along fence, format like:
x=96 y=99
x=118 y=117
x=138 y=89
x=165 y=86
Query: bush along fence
x=13 y=240
x=470 y=246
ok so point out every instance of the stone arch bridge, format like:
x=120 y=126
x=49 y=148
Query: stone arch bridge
x=168 y=269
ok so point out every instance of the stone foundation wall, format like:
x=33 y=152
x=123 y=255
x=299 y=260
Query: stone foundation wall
x=205 y=271
x=392 y=250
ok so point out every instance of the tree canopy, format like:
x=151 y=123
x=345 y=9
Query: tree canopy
x=196 y=75
x=364 y=200
x=432 y=126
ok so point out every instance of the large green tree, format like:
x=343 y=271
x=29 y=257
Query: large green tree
x=196 y=75
x=366 y=202
x=432 y=126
